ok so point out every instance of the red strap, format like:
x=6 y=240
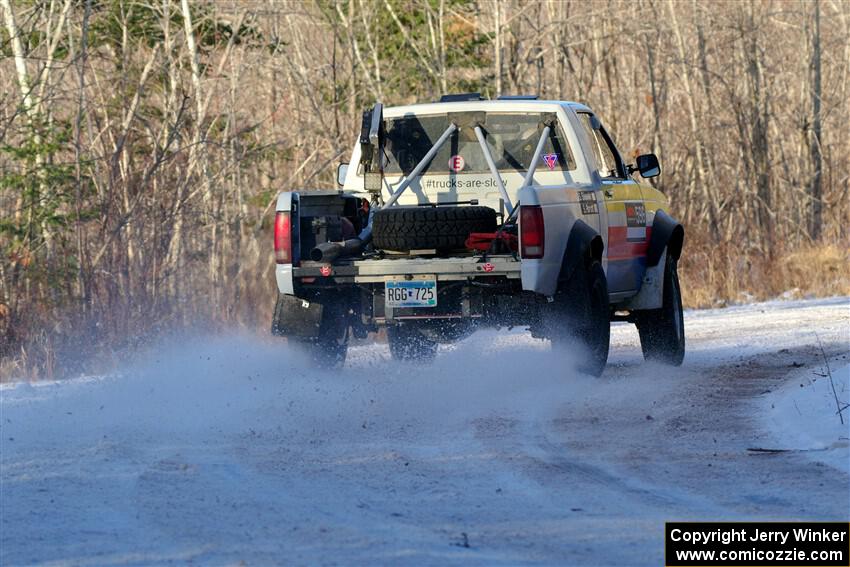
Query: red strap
x=484 y=240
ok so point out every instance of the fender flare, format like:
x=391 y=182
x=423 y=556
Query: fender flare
x=583 y=244
x=666 y=233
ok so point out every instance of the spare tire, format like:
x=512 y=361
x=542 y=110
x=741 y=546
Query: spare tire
x=426 y=228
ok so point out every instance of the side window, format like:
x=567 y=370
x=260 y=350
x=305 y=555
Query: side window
x=607 y=160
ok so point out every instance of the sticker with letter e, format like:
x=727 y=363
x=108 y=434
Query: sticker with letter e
x=457 y=163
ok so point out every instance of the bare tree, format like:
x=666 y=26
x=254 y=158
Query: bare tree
x=144 y=141
x=816 y=138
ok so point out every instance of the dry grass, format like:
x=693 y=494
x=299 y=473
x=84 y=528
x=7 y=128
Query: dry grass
x=822 y=271
x=720 y=275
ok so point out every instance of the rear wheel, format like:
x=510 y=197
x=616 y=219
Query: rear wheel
x=408 y=343
x=662 y=331
x=581 y=317
x=329 y=349
x=448 y=331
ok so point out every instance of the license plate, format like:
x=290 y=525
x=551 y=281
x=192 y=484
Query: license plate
x=418 y=292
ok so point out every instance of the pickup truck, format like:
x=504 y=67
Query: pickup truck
x=467 y=213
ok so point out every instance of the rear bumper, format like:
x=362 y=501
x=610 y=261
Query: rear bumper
x=376 y=271
x=470 y=288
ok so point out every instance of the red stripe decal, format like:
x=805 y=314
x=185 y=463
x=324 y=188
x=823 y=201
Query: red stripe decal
x=619 y=248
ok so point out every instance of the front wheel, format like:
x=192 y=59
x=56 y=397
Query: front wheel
x=662 y=331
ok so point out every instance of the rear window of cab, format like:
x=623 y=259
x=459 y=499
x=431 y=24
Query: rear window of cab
x=511 y=139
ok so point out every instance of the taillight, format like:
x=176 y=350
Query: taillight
x=283 y=237
x=531 y=232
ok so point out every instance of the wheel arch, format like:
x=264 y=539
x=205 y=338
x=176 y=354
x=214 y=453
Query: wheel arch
x=584 y=245
x=667 y=233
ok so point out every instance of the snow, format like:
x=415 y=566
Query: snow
x=234 y=448
x=803 y=415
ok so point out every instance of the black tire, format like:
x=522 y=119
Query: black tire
x=408 y=343
x=425 y=228
x=581 y=316
x=448 y=331
x=329 y=349
x=662 y=331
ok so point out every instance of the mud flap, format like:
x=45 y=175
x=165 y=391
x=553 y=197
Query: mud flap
x=296 y=317
x=651 y=294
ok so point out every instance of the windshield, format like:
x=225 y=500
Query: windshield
x=511 y=138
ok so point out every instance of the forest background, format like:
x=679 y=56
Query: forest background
x=142 y=142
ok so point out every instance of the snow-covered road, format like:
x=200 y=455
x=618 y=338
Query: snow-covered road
x=235 y=449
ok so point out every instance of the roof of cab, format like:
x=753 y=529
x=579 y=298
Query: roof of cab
x=487 y=105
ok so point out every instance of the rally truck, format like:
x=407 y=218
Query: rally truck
x=470 y=213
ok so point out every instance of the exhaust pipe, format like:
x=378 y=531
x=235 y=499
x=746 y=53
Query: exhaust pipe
x=326 y=252
x=330 y=251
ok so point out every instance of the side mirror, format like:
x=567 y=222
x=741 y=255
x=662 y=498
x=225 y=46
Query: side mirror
x=341 y=172
x=648 y=166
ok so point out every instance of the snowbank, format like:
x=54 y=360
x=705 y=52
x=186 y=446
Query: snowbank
x=803 y=416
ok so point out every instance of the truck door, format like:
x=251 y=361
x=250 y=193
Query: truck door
x=625 y=235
